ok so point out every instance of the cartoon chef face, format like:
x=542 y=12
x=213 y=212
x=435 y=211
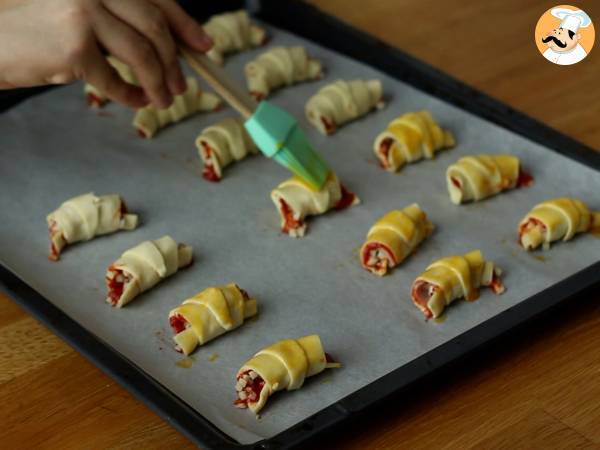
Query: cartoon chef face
x=561 y=40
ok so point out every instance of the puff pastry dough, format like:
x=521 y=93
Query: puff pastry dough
x=343 y=101
x=410 y=138
x=280 y=66
x=295 y=200
x=474 y=178
x=283 y=365
x=143 y=266
x=222 y=144
x=209 y=314
x=84 y=217
x=232 y=32
x=149 y=120
x=97 y=99
x=393 y=238
x=454 y=277
x=560 y=218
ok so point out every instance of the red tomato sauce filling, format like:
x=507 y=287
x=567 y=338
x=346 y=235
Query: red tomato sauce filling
x=455 y=182
x=95 y=101
x=252 y=389
x=421 y=295
x=525 y=179
x=141 y=133
x=372 y=246
x=290 y=222
x=115 y=288
x=496 y=284
x=346 y=200
x=209 y=173
x=384 y=150
x=531 y=223
x=329 y=125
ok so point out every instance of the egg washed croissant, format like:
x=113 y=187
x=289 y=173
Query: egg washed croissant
x=393 y=238
x=209 y=314
x=454 y=277
x=410 y=138
x=557 y=219
x=232 y=32
x=143 y=266
x=149 y=120
x=475 y=178
x=282 y=366
x=84 y=217
x=343 y=101
x=280 y=66
x=295 y=200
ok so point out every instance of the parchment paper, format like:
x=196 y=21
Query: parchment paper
x=52 y=147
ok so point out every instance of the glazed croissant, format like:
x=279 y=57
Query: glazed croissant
x=474 y=178
x=94 y=97
x=143 y=266
x=454 y=277
x=283 y=365
x=209 y=314
x=84 y=217
x=393 y=238
x=222 y=144
x=560 y=218
x=232 y=32
x=280 y=66
x=149 y=120
x=341 y=102
x=410 y=138
x=295 y=200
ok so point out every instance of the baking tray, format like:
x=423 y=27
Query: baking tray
x=361 y=305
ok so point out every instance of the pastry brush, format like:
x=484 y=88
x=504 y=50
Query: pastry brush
x=274 y=130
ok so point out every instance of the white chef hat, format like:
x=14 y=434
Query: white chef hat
x=571 y=19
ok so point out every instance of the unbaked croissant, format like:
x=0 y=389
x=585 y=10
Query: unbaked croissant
x=410 y=138
x=560 y=218
x=283 y=365
x=454 y=277
x=84 y=217
x=295 y=200
x=232 y=32
x=143 y=266
x=393 y=238
x=149 y=120
x=474 y=178
x=222 y=144
x=209 y=314
x=94 y=97
x=280 y=66
x=341 y=102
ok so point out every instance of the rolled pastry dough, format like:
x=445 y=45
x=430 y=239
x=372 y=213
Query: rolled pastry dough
x=393 y=238
x=222 y=144
x=94 y=97
x=209 y=314
x=474 y=178
x=283 y=365
x=143 y=266
x=341 y=102
x=149 y=120
x=410 y=138
x=454 y=277
x=295 y=200
x=280 y=66
x=84 y=217
x=560 y=218
x=232 y=32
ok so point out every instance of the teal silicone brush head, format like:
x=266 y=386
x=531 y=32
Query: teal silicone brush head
x=278 y=136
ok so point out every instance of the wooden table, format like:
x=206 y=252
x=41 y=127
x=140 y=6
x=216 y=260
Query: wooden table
x=539 y=389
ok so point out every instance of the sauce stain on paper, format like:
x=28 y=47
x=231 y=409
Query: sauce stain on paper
x=213 y=357
x=185 y=363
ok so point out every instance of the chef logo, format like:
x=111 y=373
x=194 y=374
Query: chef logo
x=564 y=35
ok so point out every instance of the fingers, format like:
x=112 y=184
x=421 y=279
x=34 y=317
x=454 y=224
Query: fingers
x=184 y=26
x=149 y=21
x=136 y=51
x=97 y=71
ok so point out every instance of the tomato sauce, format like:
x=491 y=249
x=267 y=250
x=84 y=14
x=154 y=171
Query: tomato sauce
x=525 y=179
x=371 y=246
x=115 y=288
x=329 y=126
x=252 y=389
x=178 y=323
x=346 y=200
x=420 y=296
x=288 y=214
x=209 y=173
x=384 y=149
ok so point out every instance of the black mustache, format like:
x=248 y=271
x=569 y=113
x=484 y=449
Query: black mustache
x=556 y=41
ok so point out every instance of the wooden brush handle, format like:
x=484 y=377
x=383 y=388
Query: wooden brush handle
x=220 y=81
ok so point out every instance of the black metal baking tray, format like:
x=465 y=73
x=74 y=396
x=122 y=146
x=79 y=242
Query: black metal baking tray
x=310 y=23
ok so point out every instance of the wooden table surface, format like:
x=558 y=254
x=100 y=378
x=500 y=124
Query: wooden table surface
x=538 y=389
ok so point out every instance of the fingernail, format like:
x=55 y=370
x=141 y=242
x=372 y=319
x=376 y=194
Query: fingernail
x=204 y=41
x=177 y=84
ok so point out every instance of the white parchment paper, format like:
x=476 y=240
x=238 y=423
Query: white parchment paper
x=52 y=147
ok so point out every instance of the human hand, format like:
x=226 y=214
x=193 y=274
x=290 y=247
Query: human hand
x=58 y=41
